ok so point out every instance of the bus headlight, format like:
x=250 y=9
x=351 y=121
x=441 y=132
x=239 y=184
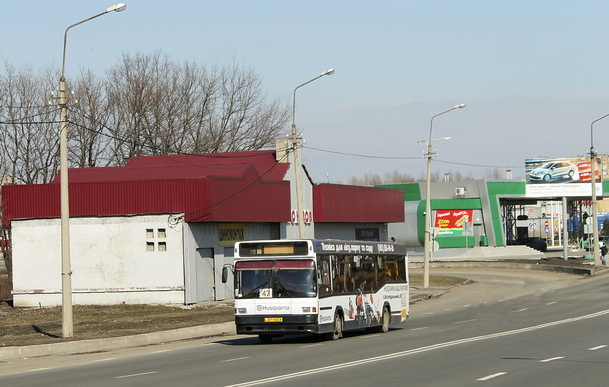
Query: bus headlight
x=308 y=309
x=240 y=311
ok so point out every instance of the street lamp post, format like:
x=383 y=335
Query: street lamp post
x=66 y=271
x=301 y=231
x=427 y=242
x=597 y=258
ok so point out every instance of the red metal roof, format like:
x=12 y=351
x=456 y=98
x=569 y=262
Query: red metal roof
x=229 y=187
x=245 y=189
x=184 y=166
x=347 y=203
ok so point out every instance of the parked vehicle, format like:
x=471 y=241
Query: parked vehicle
x=553 y=170
x=537 y=243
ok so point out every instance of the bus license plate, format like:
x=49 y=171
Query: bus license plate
x=273 y=319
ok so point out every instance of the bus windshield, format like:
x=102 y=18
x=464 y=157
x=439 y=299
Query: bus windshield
x=275 y=279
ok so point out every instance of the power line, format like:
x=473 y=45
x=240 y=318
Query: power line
x=408 y=158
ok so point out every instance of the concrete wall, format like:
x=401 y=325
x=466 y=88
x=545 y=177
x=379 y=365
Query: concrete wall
x=205 y=256
x=291 y=231
x=114 y=260
x=347 y=231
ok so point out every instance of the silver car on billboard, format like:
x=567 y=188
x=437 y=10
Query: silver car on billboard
x=553 y=170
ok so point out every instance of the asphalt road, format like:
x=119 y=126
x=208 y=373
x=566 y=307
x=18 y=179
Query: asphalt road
x=510 y=328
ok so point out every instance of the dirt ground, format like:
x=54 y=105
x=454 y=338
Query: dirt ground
x=30 y=326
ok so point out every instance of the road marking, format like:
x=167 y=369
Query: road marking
x=466 y=305
x=107 y=359
x=489 y=377
x=409 y=352
x=466 y=321
x=552 y=303
x=163 y=350
x=235 y=359
x=369 y=336
x=311 y=345
x=551 y=359
x=597 y=348
x=519 y=310
x=418 y=329
x=39 y=369
x=134 y=375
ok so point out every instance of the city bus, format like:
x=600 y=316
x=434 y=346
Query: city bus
x=285 y=287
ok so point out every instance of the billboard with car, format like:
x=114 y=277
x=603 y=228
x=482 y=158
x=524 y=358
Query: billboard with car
x=563 y=176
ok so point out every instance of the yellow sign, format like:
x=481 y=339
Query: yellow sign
x=229 y=233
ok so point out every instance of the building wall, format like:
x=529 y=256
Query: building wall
x=291 y=230
x=113 y=260
x=348 y=231
x=208 y=248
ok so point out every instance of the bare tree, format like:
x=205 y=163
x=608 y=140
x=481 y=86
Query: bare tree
x=160 y=107
x=89 y=133
x=29 y=136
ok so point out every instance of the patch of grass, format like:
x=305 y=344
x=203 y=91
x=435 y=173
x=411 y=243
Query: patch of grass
x=29 y=326
x=437 y=281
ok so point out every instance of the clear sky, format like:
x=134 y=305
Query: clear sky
x=534 y=74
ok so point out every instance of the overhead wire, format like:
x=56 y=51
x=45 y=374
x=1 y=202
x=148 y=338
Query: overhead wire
x=406 y=158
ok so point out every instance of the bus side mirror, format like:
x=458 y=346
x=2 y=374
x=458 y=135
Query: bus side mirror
x=224 y=274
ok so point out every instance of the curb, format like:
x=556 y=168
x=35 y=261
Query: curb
x=113 y=343
x=589 y=271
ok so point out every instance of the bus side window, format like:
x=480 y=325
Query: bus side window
x=323 y=275
x=342 y=276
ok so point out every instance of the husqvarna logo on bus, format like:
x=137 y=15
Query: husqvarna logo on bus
x=273 y=308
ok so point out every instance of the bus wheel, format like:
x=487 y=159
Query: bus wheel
x=337 y=332
x=265 y=339
x=384 y=327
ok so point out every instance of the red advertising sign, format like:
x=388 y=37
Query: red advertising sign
x=584 y=170
x=453 y=218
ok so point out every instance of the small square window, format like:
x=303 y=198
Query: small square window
x=161 y=233
x=149 y=246
x=162 y=246
x=149 y=233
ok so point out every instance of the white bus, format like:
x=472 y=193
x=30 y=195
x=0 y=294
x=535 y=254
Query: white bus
x=318 y=286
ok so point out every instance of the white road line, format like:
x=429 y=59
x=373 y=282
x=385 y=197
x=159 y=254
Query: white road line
x=418 y=329
x=235 y=359
x=491 y=376
x=311 y=345
x=597 y=348
x=369 y=336
x=409 y=352
x=39 y=369
x=519 y=310
x=552 y=303
x=163 y=350
x=551 y=359
x=107 y=359
x=466 y=321
x=134 y=375
x=466 y=305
